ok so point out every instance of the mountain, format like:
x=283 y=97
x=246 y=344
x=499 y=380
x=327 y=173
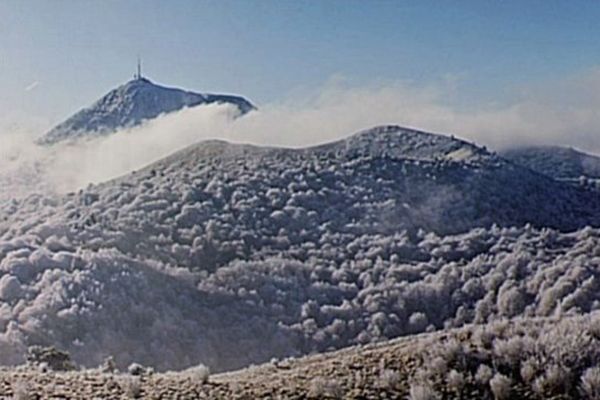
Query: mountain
x=555 y=161
x=131 y=104
x=416 y=179
x=231 y=254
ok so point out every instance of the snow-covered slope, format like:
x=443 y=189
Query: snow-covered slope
x=416 y=179
x=555 y=161
x=131 y=104
x=232 y=254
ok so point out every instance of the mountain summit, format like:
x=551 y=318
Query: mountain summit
x=131 y=104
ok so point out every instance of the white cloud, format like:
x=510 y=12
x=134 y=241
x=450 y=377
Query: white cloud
x=32 y=86
x=563 y=112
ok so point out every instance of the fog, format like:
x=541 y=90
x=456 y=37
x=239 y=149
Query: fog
x=537 y=115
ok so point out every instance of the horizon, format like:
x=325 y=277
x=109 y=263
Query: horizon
x=471 y=59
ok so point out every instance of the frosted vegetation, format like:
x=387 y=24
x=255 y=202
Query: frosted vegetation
x=228 y=255
x=528 y=358
x=558 y=162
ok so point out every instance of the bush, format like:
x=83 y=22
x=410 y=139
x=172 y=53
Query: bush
x=108 y=366
x=322 y=387
x=389 y=379
x=529 y=370
x=501 y=386
x=22 y=391
x=49 y=358
x=590 y=383
x=131 y=386
x=484 y=374
x=199 y=373
x=422 y=391
x=136 y=369
x=554 y=381
x=455 y=381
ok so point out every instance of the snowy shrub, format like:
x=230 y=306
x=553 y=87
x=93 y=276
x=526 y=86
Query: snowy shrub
x=501 y=386
x=10 y=288
x=544 y=354
x=529 y=370
x=108 y=365
x=131 y=386
x=455 y=381
x=388 y=379
x=136 y=369
x=511 y=299
x=453 y=352
x=422 y=391
x=49 y=358
x=437 y=366
x=590 y=383
x=418 y=322
x=22 y=391
x=484 y=374
x=322 y=387
x=555 y=380
x=594 y=325
x=483 y=337
x=199 y=373
x=512 y=350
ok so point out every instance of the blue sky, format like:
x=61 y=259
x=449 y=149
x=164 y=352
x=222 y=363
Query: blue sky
x=57 y=56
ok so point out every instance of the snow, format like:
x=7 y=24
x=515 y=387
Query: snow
x=10 y=288
x=229 y=255
x=131 y=104
x=459 y=155
x=559 y=162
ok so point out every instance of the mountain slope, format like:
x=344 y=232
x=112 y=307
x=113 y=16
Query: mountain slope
x=536 y=357
x=131 y=104
x=555 y=161
x=232 y=254
x=414 y=179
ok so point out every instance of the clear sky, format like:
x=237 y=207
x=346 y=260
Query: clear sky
x=57 y=56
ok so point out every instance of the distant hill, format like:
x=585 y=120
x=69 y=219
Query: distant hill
x=555 y=161
x=131 y=104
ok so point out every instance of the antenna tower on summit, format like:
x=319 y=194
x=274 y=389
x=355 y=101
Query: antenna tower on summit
x=139 y=68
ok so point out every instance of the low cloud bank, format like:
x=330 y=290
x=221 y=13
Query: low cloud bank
x=563 y=113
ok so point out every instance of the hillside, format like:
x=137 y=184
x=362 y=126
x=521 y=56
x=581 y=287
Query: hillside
x=523 y=359
x=131 y=104
x=555 y=161
x=231 y=254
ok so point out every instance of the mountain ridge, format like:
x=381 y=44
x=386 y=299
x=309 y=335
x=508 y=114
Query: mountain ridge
x=556 y=161
x=131 y=104
x=385 y=141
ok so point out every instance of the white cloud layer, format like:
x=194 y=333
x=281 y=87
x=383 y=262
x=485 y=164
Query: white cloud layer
x=563 y=112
